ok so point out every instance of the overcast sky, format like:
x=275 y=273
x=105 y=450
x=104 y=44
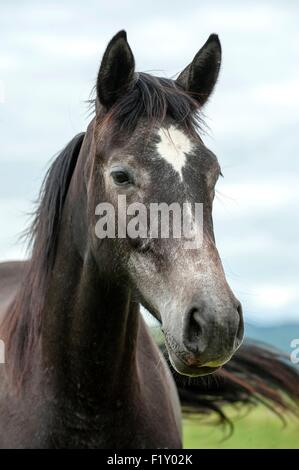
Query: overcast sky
x=49 y=56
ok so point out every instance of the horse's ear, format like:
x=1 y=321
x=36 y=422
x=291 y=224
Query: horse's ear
x=199 y=77
x=116 y=73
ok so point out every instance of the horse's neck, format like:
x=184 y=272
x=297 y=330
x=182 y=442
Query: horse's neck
x=89 y=329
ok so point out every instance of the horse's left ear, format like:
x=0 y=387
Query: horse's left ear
x=199 y=77
x=116 y=73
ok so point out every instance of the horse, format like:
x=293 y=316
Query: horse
x=81 y=367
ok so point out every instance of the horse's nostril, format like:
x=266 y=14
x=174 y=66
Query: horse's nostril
x=194 y=325
x=193 y=331
x=210 y=333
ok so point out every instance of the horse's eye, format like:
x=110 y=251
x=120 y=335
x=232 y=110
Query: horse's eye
x=121 y=177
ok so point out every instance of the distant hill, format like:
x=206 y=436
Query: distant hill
x=279 y=336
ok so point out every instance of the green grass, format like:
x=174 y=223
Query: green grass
x=259 y=429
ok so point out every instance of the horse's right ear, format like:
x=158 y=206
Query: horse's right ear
x=199 y=77
x=116 y=74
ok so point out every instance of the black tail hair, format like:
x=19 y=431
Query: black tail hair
x=257 y=374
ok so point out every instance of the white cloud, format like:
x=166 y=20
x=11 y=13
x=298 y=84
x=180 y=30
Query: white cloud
x=275 y=296
x=69 y=48
x=249 y=198
x=8 y=62
x=2 y=92
x=283 y=93
x=238 y=18
x=271 y=304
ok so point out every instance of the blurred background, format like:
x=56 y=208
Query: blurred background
x=50 y=52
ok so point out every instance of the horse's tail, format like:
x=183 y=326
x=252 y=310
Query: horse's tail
x=255 y=375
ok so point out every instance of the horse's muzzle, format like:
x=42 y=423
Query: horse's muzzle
x=211 y=335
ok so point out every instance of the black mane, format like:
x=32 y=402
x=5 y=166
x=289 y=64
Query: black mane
x=44 y=230
x=22 y=323
x=154 y=98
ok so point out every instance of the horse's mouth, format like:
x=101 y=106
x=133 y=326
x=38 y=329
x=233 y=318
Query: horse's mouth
x=194 y=369
x=190 y=370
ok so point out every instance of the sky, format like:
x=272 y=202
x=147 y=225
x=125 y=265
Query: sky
x=50 y=52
